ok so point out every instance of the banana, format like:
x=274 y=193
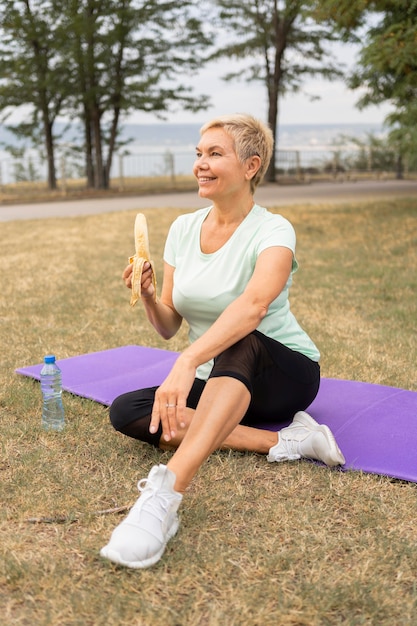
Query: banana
x=141 y=256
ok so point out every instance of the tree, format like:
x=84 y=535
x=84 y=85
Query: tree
x=30 y=73
x=283 y=40
x=387 y=70
x=95 y=61
x=128 y=55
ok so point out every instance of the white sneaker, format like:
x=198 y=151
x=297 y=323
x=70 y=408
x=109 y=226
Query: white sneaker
x=139 y=540
x=305 y=438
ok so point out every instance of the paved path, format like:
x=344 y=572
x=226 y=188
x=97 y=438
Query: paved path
x=267 y=195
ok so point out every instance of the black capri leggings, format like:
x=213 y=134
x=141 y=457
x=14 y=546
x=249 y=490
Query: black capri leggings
x=280 y=381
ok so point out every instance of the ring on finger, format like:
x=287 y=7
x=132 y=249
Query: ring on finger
x=170 y=406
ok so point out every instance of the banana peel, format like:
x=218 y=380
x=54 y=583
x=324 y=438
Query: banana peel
x=141 y=256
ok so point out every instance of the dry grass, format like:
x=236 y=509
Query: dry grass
x=27 y=192
x=294 y=544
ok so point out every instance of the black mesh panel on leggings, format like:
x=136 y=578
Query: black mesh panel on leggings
x=244 y=361
x=280 y=380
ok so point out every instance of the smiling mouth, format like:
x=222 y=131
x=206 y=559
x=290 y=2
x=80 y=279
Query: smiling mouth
x=205 y=179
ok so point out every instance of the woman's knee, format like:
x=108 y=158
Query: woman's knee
x=118 y=413
x=131 y=406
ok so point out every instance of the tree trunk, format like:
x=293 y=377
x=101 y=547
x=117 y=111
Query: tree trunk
x=112 y=143
x=273 y=124
x=99 y=178
x=400 y=168
x=281 y=27
x=89 y=162
x=41 y=72
x=93 y=113
x=82 y=82
x=50 y=153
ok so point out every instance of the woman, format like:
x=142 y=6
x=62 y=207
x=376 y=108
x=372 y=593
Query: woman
x=227 y=272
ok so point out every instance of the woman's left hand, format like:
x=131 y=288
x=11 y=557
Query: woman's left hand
x=171 y=399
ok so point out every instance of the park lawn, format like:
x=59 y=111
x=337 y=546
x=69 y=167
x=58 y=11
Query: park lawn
x=259 y=544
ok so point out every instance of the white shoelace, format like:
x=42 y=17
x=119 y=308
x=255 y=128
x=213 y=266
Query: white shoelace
x=158 y=508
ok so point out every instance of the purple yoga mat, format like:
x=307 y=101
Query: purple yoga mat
x=374 y=425
x=101 y=376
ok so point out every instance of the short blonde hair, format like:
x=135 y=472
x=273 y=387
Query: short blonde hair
x=250 y=136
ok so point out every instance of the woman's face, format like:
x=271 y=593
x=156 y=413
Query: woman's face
x=217 y=169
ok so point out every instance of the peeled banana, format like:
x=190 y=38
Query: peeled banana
x=140 y=257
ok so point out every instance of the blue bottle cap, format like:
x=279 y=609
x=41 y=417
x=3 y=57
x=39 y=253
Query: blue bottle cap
x=49 y=359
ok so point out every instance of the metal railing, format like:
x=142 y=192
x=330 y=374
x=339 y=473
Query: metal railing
x=130 y=169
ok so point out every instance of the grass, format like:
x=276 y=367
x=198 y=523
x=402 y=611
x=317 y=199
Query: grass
x=75 y=189
x=259 y=544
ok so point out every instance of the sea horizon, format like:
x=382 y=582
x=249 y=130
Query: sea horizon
x=290 y=136
x=163 y=135
x=145 y=148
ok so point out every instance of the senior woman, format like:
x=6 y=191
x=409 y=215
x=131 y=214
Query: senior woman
x=227 y=272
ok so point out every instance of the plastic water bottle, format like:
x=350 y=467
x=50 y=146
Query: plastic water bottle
x=53 y=417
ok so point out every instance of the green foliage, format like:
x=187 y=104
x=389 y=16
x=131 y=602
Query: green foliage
x=387 y=69
x=388 y=65
x=346 y=15
x=31 y=72
x=96 y=60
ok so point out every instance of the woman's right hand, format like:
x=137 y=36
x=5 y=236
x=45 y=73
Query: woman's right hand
x=147 y=288
x=160 y=312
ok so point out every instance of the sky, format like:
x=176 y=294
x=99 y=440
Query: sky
x=337 y=103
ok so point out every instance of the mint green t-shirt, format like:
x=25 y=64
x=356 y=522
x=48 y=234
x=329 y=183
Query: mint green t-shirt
x=205 y=284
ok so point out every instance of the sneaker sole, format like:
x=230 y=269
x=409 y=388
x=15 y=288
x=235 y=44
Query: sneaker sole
x=112 y=555
x=335 y=456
